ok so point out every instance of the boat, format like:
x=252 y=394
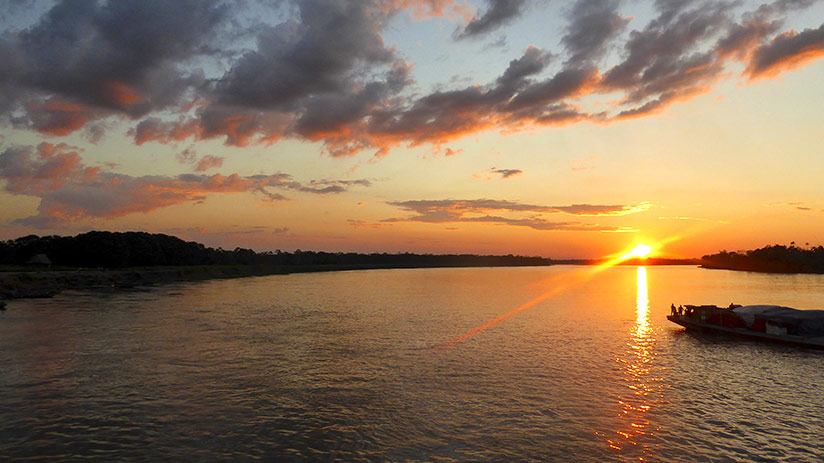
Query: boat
x=757 y=322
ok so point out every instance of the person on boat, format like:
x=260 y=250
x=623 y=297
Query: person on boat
x=672 y=309
x=680 y=310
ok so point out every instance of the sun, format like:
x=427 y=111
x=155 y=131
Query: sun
x=642 y=251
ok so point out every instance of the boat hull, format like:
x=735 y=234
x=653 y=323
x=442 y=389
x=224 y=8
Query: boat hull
x=689 y=324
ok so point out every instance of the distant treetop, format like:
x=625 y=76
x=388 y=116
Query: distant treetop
x=140 y=249
x=776 y=258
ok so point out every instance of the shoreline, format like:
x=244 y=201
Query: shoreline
x=45 y=283
x=776 y=269
x=24 y=283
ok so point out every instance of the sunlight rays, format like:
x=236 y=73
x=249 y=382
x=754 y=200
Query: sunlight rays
x=562 y=283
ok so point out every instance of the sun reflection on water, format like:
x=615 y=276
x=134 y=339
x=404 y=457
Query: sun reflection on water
x=637 y=360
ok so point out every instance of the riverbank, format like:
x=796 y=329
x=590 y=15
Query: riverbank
x=47 y=283
x=43 y=283
x=21 y=282
x=768 y=267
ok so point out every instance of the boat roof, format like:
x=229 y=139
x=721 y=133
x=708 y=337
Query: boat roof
x=807 y=322
x=778 y=311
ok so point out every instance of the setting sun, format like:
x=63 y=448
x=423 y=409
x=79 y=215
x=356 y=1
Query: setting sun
x=642 y=251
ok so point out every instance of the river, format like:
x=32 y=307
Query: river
x=557 y=363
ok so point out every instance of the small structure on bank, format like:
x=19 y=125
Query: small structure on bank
x=39 y=260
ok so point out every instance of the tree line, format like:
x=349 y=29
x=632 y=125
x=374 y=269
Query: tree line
x=104 y=249
x=775 y=258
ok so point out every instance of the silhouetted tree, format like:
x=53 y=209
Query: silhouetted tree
x=139 y=249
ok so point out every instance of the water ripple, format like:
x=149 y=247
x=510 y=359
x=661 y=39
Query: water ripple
x=339 y=367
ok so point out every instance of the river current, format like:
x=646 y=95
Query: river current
x=530 y=364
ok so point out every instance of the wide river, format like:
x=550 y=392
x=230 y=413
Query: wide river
x=426 y=365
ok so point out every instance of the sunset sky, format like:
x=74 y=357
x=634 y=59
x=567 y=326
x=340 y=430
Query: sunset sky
x=554 y=128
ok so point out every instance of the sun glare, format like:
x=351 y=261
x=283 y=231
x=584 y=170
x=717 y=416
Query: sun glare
x=642 y=251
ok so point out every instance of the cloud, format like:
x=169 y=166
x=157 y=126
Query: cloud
x=330 y=186
x=500 y=42
x=593 y=23
x=436 y=209
x=70 y=190
x=86 y=59
x=321 y=71
x=488 y=210
x=293 y=61
x=189 y=156
x=209 y=162
x=499 y=13
x=798 y=205
x=362 y=224
x=786 y=51
x=662 y=65
x=506 y=173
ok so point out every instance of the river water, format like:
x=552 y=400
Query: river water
x=409 y=366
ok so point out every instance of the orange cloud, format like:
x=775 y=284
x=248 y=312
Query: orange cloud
x=55 y=117
x=208 y=162
x=70 y=190
x=121 y=93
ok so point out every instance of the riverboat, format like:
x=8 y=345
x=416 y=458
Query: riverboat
x=758 y=322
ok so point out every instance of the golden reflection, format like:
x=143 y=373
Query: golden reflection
x=559 y=284
x=637 y=363
x=642 y=301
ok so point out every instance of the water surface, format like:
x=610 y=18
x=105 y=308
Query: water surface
x=358 y=366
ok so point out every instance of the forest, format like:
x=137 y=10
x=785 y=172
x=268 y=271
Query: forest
x=103 y=249
x=776 y=258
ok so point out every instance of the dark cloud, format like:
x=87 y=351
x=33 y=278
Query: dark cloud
x=86 y=59
x=499 y=13
x=297 y=59
x=198 y=70
x=532 y=62
x=68 y=189
x=568 y=83
x=333 y=117
x=741 y=39
x=593 y=24
x=786 y=51
x=660 y=54
x=670 y=9
x=506 y=173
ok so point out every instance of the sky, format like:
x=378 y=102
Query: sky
x=565 y=129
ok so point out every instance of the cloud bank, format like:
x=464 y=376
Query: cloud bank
x=70 y=190
x=220 y=69
x=518 y=214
